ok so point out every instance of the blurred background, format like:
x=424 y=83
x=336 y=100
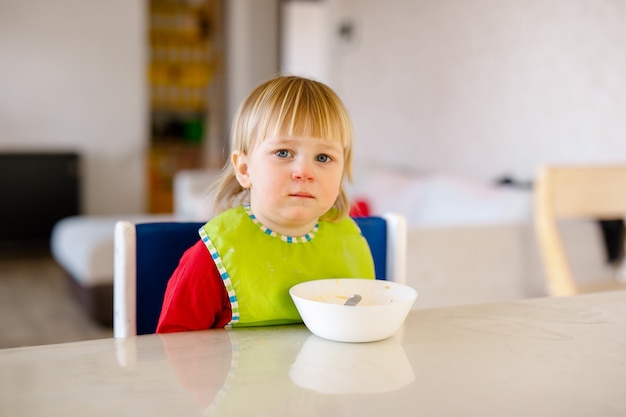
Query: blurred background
x=479 y=88
x=102 y=103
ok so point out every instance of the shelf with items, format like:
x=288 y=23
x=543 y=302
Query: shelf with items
x=182 y=68
x=179 y=76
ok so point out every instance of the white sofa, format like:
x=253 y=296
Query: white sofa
x=468 y=242
x=83 y=245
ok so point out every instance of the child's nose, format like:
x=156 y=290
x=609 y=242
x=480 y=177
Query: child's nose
x=302 y=171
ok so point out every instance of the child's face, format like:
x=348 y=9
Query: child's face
x=292 y=180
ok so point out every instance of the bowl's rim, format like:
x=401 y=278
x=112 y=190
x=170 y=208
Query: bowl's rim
x=412 y=299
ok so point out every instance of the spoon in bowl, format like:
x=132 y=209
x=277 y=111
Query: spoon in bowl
x=353 y=300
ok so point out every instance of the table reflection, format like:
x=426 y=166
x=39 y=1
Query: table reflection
x=222 y=367
x=329 y=367
x=204 y=372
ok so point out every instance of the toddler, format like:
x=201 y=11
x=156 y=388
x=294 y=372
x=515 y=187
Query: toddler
x=281 y=213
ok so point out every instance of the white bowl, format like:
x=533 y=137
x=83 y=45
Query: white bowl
x=382 y=310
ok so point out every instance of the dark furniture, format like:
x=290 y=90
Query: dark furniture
x=36 y=190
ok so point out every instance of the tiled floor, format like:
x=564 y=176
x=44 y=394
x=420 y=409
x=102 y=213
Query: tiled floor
x=36 y=306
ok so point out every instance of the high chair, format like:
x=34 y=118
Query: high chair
x=146 y=255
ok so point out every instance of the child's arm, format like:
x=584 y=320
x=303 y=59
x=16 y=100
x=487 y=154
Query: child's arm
x=195 y=298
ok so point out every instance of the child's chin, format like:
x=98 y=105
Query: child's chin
x=303 y=214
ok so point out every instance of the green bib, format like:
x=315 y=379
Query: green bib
x=258 y=266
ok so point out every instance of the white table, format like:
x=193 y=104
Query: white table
x=543 y=357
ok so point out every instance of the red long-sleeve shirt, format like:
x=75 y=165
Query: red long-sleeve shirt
x=196 y=280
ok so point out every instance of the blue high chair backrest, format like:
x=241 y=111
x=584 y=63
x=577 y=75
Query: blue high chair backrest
x=159 y=247
x=374 y=229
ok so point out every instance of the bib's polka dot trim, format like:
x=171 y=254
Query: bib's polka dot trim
x=224 y=274
x=289 y=239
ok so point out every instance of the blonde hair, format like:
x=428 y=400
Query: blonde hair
x=289 y=106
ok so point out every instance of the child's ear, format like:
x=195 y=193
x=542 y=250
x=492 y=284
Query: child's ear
x=240 y=163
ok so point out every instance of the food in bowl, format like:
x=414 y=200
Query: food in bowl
x=383 y=308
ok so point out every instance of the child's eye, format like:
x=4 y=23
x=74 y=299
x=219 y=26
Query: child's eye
x=323 y=158
x=282 y=153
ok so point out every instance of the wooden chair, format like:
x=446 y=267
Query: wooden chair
x=575 y=192
x=146 y=255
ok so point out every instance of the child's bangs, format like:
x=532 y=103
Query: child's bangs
x=309 y=115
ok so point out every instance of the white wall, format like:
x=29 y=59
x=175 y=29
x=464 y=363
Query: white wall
x=72 y=76
x=481 y=88
x=252 y=44
x=305 y=39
